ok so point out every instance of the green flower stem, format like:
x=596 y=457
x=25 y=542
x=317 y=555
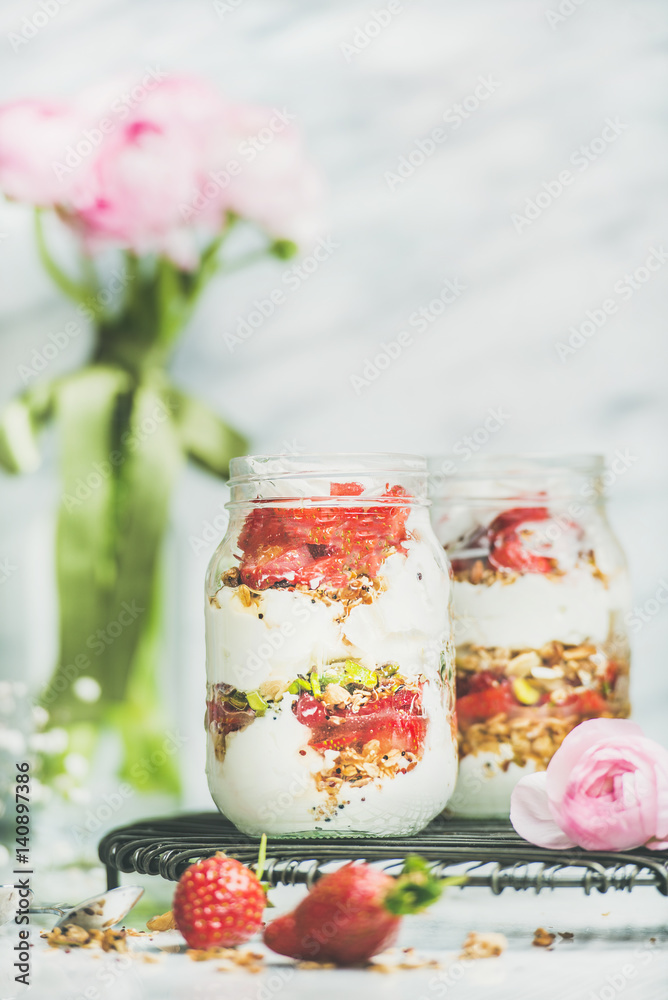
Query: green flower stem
x=75 y=290
x=124 y=433
x=88 y=405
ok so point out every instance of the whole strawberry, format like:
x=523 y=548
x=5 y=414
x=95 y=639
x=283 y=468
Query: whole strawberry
x=353 y=913
x=218 y=903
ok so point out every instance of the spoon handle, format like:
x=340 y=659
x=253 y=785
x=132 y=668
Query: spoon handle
x=59 y=910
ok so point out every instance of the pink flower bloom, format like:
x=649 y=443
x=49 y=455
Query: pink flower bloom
x=165 y=172
x=33 y=137
x=605 y=789
x=275 y=186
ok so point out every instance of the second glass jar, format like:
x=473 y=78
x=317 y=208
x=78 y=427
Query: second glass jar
x=540 y=597
x=330 y=665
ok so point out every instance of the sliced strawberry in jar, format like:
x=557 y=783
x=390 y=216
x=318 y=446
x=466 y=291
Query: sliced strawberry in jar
x=320 y=546
x=588 y=704
x=345 y=489
x=510 y=541
x=310 y=711
x=520 y=541
x=482 y=705
x=507 y=551
x=515 y=516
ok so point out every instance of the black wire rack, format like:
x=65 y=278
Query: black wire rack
x=488 y=852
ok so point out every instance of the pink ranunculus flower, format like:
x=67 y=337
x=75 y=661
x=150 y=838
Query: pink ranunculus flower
x=605 y=789
x=33 y=138
x=135 y=188
x=165 y=172
x=274 y=186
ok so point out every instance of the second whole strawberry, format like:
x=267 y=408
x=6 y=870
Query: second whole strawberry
x=354 y=913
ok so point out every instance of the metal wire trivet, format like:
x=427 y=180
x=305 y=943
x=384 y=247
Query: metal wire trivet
x=489 y=852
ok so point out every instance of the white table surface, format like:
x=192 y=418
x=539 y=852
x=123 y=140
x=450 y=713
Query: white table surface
x=619 y=949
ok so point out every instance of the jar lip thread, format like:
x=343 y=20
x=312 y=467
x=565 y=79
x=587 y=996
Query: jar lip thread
x=509 y=466
x=308 y=479
x=247 y=468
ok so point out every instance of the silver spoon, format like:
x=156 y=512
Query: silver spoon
x=97 y=913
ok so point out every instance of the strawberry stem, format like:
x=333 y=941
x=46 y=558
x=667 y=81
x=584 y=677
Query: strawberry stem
x=416 y=888
x=261 y=857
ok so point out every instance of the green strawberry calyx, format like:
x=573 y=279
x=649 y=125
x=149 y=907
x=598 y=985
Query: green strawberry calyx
x=417 y=887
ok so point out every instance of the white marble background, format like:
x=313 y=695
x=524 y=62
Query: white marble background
x=289 y=385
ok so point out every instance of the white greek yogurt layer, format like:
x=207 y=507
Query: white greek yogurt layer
x=266 y=781
x=284 y=633
x=533 y=610
x=266 y=784
x=483 y=788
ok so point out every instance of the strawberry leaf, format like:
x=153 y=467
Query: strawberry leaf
x=417 y=888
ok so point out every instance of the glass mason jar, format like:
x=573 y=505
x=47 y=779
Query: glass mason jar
x=540 y=594
x=330 y=664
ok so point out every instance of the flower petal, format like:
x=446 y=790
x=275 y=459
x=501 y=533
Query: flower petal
x=531 y=816
x=578 y=742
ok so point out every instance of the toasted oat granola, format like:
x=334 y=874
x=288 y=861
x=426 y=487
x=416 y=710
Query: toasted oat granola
x=530 y=739
x=230 y=958
x=558 y=670
x=73 y=936
x=358 y=769
x=487 y=945
x=542 y=938
x=162 y=922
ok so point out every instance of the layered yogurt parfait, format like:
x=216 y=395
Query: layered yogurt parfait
x=540 y=594
x=330 y=703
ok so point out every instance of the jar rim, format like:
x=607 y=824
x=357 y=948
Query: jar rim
x=509 y=464
x=306 y=480
x=249 y=468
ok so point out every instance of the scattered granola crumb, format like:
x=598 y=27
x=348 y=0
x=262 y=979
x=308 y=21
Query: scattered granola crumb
x=408 y=962
x=542 y=938
x=566 y=935
x=73 y=936
x=231 y=958
x=486 y=945
x=163 y=922
x=315 y=965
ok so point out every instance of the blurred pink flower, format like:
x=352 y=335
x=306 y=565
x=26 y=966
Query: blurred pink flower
x=605 y=789
x=33 y=135
x=165 y=173
x=275 y=186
